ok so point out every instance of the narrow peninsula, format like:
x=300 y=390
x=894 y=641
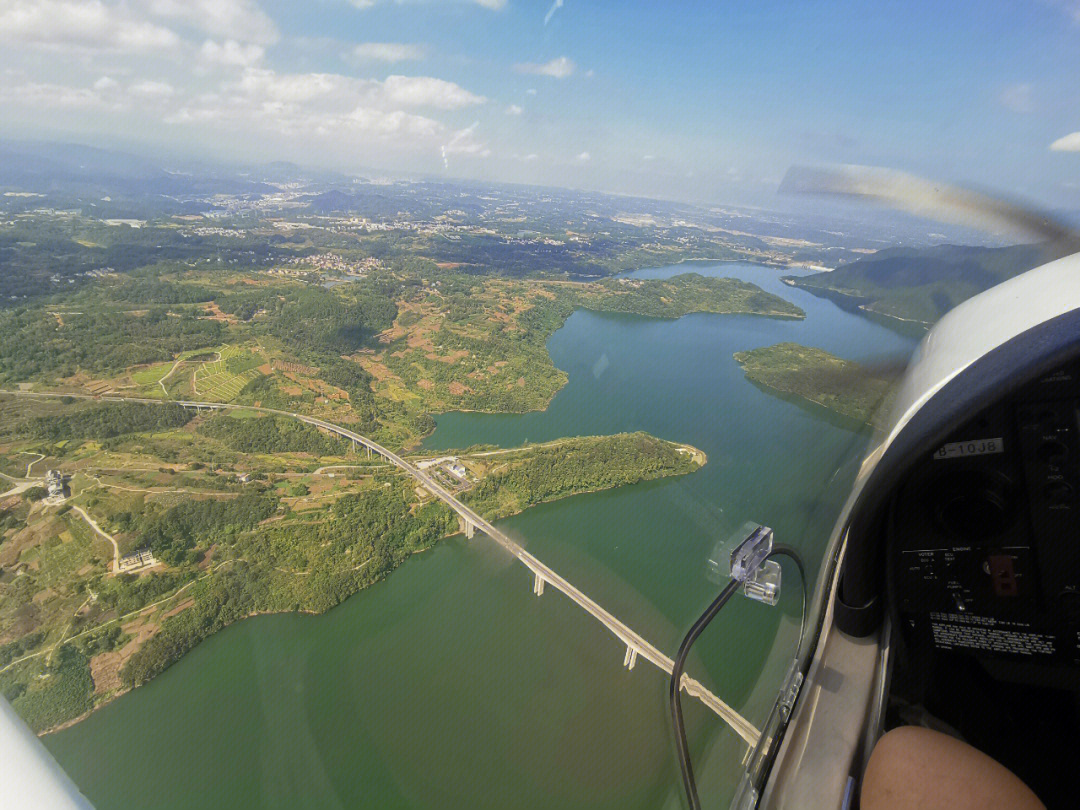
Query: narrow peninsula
x=842 y=386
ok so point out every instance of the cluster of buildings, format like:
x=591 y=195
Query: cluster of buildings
x=449 y=466
x=229 y=204
x=456 y=469
x=333 y=263
x=136 y=561
x=213 y=230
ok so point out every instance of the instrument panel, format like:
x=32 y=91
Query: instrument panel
x=984 y=534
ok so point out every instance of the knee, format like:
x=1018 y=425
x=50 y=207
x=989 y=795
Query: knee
x=913 y=767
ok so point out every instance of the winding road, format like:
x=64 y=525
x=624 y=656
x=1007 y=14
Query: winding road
x=94 y=525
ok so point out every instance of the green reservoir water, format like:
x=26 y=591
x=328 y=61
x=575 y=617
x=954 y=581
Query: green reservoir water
x=450 y=684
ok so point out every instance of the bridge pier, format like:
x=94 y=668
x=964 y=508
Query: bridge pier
x=630 y=658
x=369 y=452
x=468 y=528
x=538 y=585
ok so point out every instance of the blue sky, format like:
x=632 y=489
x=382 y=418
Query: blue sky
x=686 y=100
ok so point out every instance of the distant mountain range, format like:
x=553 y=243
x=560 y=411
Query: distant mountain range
x=919 y=285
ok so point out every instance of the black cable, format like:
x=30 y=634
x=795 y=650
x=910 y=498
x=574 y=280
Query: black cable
x=783 y=550
x=674 y=690
x=674 y=685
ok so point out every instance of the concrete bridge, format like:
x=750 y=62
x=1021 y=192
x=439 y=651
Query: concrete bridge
x=470 y=522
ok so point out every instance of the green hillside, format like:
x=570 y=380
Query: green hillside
x=921 y=285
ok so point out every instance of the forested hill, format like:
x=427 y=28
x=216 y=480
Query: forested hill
x=922 y=284
x=842 y=386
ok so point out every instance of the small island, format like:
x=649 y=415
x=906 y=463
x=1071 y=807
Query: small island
x=842 y=386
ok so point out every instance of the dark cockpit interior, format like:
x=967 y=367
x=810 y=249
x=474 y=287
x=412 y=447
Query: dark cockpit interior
x=983 y=585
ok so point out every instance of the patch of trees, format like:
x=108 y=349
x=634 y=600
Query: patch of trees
x=228 y=597
x=922 y=284
x=64 y=694
x=346 y=375
x=263 y=389
x=98 y=340
x=107 y=421
x=579 y=465
x=8 y=520
x=368 y=535
x=382 y=524
x=323 y=322
x=246 y=303
x=272 y=434
x=127 y=593
x=686 y=292
x=174 y=534
x=354 y=380
x=34 y=494
x=20 y=647
x=110 y=638
x=156 y=291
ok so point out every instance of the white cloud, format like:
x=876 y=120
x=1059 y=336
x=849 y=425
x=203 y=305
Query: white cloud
x=336 y=111
x=529 y=158
x=1017 y=97
x=583 y=157
x=1067 y=143
x=230 y=53
x=104 y=94
x=363 y=5
x=531 y=91
x=268 y=86
x=152 y=89
x=514 y=109
x=218 y=78
x=387 y=52
x=555 y=6
x=559 y=68
x=85 y=26
x=37 y=95
x=648 y=157
x=427 y=91
x=304 y=106
x=332 y=89
x=241 y=20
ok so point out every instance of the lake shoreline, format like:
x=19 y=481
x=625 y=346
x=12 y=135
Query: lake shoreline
x=698 y=455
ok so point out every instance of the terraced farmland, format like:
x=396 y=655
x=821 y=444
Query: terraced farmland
x=222 y=380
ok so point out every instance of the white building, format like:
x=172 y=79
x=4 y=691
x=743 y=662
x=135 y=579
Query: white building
x=54 y=485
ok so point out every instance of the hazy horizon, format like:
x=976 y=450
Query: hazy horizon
x=694 y=102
